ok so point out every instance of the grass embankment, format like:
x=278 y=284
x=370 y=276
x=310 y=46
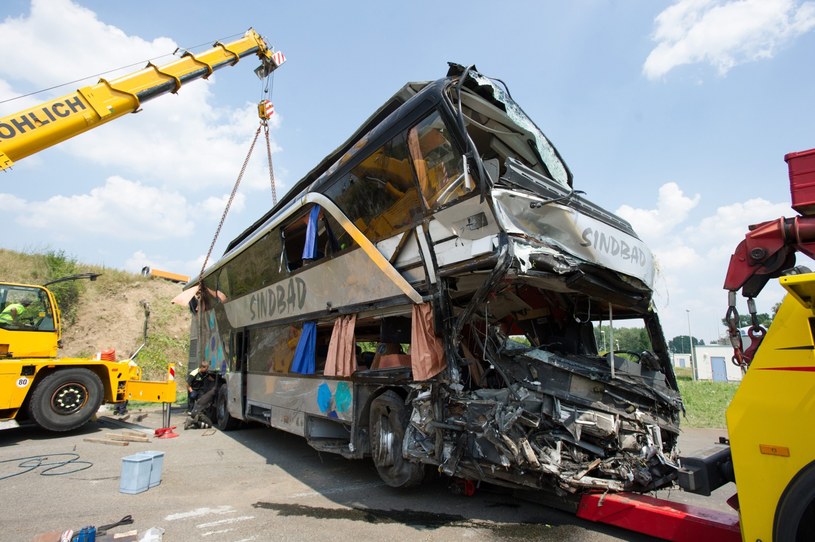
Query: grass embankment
x=705 y=401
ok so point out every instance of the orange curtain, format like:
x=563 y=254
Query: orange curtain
x=426 y=350
x=342 y=358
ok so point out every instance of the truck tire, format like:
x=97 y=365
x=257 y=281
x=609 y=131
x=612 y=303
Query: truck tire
x=66 y=399
x=223 y=420
x=387 y=422
x=795 y=515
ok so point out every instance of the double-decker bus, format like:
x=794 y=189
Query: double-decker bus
x=431 y=294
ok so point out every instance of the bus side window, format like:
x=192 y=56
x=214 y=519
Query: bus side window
x=309 y=238
x=379 y=195
x=439 y=165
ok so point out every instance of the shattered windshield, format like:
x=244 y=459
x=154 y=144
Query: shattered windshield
x=500 y=128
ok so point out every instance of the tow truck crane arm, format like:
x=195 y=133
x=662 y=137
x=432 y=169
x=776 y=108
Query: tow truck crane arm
x=767 y=250
x=29 y=131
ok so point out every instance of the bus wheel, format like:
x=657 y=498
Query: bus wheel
x=223 y=420
x=66 y=399
x=387 y=423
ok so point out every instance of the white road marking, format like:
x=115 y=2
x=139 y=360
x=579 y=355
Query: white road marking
x=223 y=522
x=199 y=512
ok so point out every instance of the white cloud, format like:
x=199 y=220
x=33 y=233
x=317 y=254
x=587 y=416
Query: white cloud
x=672 y=209
x=11 y=204
x=213 y=207
x=67 y=54
x=730 y=224
x=724 y=33
x=692 y=255
x=120 y=209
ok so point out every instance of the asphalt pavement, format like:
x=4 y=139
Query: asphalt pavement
x=258 y=484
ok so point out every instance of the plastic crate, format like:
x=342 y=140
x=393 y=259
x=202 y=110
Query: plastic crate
x=156 y=464
x=135 y=474
x=802 y=180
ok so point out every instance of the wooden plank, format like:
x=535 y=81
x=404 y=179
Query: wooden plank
x=128 y=438
x=106 y=441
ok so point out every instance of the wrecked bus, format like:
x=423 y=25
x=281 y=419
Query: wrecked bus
x=430 y=296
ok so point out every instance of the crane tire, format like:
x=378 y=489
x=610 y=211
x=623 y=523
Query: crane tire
x=66 y=399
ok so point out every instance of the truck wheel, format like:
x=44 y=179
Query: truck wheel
x=223 y=420
x=795 y=515
x=387 y=422
x=66 y=399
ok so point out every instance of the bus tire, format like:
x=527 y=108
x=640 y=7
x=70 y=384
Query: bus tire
x=223 y=420
x=795 y=515
x=66 y=399
x=387 y=422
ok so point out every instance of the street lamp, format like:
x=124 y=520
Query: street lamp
x=690 y=339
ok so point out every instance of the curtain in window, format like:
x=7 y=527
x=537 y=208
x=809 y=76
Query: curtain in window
x=426 y=350
x=303 y=362
x=342 y=359
x=310 y=248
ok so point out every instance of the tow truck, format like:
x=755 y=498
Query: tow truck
x=36 y=386
x=770 y=452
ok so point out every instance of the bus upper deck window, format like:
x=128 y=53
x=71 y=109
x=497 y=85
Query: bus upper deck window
x=439 y=165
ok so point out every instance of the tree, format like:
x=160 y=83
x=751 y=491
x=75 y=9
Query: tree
x=634 y=339
x=745 y=320
x=682 y=345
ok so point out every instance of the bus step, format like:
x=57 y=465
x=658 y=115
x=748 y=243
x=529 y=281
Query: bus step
x=331 y=445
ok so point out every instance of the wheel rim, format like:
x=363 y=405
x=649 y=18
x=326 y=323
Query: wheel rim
x=384 y=453
x=69 y=398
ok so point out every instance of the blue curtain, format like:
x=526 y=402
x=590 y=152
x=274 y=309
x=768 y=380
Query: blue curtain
x=303 y=362
x=310 y=248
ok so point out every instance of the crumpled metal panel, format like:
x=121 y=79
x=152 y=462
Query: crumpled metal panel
x=575 y=234
x=537 y=434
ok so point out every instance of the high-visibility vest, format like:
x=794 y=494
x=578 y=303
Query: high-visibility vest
x=6 y=317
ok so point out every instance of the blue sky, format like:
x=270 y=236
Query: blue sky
x=676 y=115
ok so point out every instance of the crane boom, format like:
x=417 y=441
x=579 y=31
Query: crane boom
x=29 y=131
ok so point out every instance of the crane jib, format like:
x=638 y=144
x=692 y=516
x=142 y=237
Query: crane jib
x=46 y=114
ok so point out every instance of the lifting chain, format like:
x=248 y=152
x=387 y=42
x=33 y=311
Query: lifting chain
x=265 y=124
x=742 y=357
x=229 y=202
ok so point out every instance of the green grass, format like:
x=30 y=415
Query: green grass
x=705 y=402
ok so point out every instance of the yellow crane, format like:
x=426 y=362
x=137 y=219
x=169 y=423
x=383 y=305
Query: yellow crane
x=31 y=130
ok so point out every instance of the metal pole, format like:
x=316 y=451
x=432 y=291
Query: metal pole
x=690 y=340
x=611 y=340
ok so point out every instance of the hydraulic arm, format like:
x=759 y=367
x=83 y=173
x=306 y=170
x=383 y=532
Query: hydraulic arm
x=29 y=131
x=768 y=251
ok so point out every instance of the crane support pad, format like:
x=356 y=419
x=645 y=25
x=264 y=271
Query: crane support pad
x=660 y=518
x=154 y=392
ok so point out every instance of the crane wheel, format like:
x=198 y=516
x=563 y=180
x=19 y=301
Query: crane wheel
x=66 y=399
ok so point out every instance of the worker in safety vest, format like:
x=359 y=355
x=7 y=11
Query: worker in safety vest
x=13 y=311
